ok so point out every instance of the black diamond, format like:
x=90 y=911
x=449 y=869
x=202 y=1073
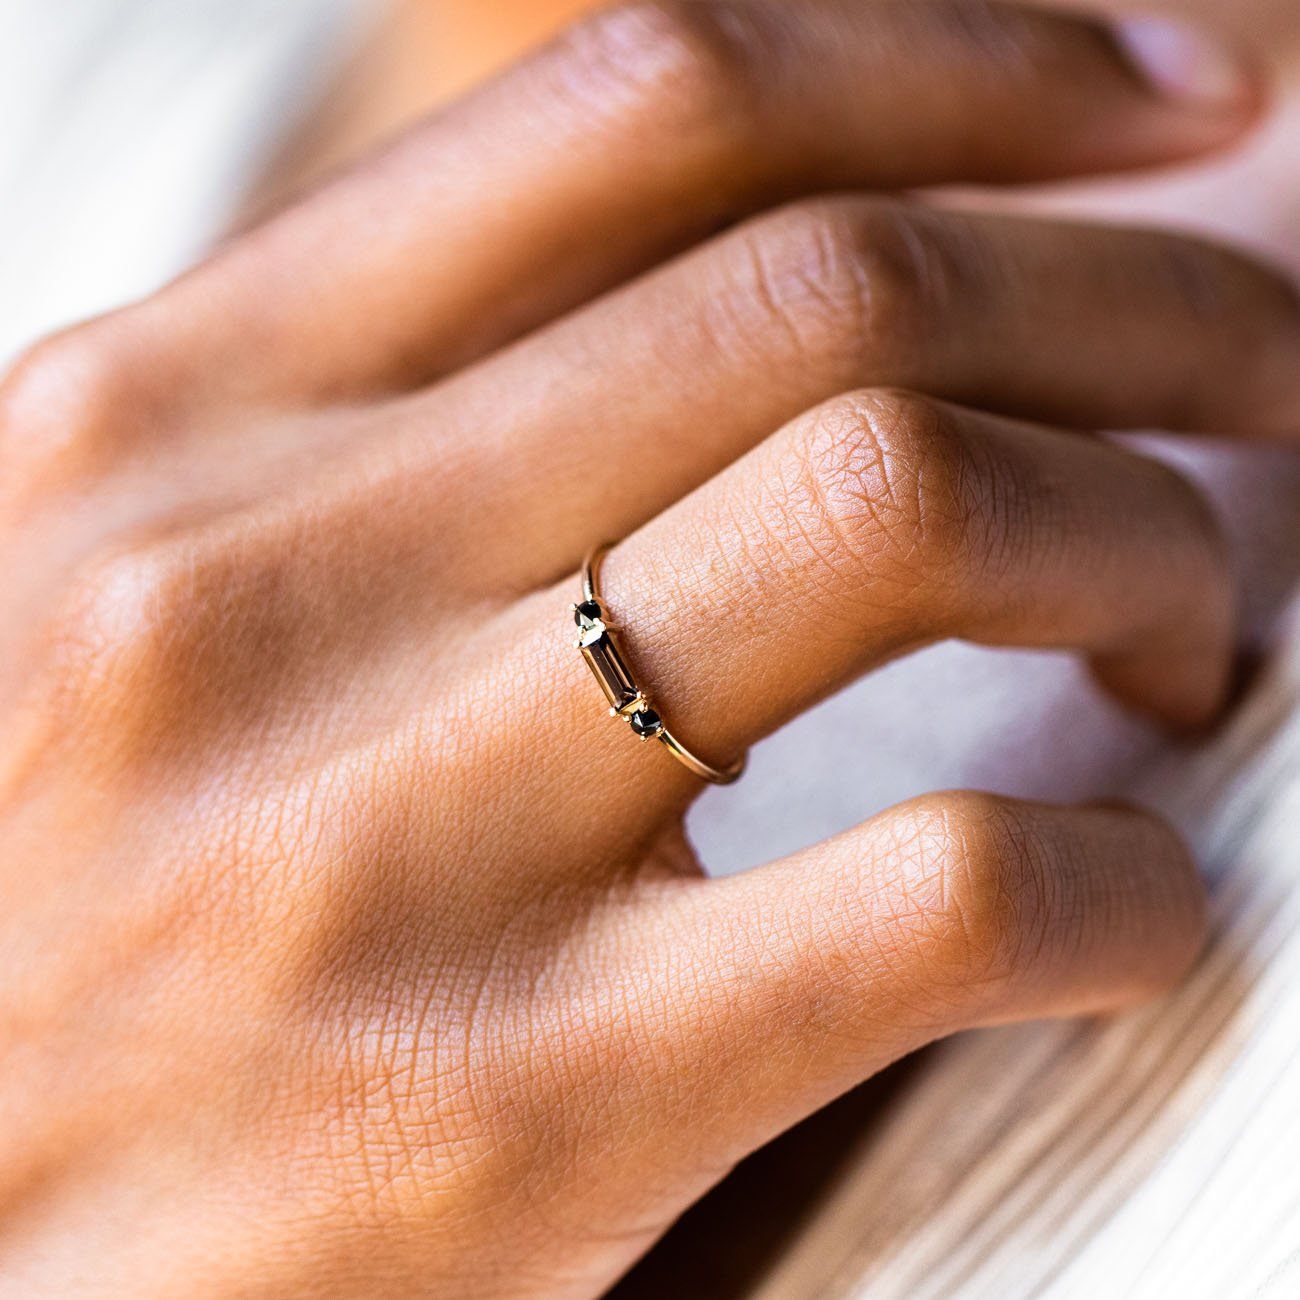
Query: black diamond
x=646 y=723
x=588 y=611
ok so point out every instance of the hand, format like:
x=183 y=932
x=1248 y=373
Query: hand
x=347 y=947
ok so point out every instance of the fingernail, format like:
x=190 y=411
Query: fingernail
x=1185 y=62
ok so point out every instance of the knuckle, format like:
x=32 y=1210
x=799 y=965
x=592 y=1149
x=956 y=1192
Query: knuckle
x=863 y=455
x=977 y=891
x=674 y=64
x=848 y=285
x=907 y=263
x=161 y=649
x=76 y=403
x=116 y=643
x=62 y=400
x=896 y=490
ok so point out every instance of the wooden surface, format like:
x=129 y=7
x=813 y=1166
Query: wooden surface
x=1153 y=1155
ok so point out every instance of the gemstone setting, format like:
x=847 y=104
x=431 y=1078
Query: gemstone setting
x=598 y=642
x=590 y=620
x=646 y=723
x=604 y=658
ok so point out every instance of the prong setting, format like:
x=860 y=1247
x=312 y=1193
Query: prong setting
x=603 y=654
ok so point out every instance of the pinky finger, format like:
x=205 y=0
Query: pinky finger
x=782 y=988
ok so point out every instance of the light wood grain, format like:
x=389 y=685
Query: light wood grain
x=1152 y=1155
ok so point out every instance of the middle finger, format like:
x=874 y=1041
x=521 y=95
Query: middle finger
x=596 y=424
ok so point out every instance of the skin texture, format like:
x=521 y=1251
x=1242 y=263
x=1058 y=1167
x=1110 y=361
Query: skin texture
x=345 y=947
x=421 y=53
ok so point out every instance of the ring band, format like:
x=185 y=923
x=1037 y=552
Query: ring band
x=604 y=656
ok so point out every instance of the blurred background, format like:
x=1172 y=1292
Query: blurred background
x=133 y=133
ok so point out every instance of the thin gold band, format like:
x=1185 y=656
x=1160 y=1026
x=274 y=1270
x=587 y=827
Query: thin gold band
x=604 y=656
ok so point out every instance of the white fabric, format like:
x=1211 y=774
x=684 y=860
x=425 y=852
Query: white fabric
x=1146 y=1156
x=129 y=129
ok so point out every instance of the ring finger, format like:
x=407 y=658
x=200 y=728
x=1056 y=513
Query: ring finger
x=874 y=524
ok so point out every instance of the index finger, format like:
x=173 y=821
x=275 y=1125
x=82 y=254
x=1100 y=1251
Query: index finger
x=647 y=126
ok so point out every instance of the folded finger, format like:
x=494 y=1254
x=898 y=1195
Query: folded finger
x=876 y=524
x=673 y=377
x=647 y=126
x=753 y=1000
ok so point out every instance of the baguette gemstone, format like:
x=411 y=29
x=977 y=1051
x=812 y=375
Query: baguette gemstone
x=603 y=656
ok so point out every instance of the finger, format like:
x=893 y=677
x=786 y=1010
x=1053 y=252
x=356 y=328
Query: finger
x=644 y=128
x=787 y=985
x=874 y=525
x=673 y=377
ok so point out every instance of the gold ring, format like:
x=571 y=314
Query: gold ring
x=604 y=656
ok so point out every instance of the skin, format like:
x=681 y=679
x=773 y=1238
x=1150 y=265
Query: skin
x=423 y=52
x=346 y=948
